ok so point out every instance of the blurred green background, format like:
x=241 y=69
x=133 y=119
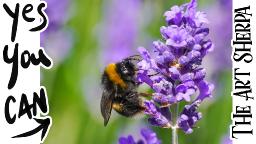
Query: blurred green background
x=73 y=83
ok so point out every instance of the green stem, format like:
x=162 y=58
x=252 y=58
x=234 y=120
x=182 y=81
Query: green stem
x=174 y=135
x=174 y=127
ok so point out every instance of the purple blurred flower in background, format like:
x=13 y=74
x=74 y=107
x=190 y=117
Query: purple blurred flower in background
x=120 y=29
x=148 y=135
x=221 y=27
x=174 y=72
x=56 y=39
x=226 y=140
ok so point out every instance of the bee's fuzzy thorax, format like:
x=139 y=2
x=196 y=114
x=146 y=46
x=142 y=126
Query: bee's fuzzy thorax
x=114 y=76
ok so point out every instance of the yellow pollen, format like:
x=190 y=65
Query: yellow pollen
x=175 y=64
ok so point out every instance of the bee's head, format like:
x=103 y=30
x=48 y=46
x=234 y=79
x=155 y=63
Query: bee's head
x=127 y=68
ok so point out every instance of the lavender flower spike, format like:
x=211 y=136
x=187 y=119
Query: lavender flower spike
x=174 y=71
x=148 y=135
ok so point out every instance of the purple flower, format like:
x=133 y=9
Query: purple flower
x=55 y=39
x=174 y=15
x=58 y=44
x=174 y=71
x=57 y=13
x=128 y=140
x=226 y=140
x=189 y=116
x=119 y=29
x=222 y=35
x=158 y=116
x=148 y=135
x=175 y=36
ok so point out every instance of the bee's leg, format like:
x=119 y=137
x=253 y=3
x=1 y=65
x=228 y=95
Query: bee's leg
x=133 y=103
x=145 y=95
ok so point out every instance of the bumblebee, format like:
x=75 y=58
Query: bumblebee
x=120 y=89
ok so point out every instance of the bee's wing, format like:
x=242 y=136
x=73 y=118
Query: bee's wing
x=106 y=104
